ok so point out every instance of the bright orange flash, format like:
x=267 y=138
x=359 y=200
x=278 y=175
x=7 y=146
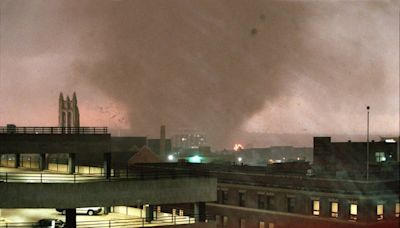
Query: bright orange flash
x=238 y=147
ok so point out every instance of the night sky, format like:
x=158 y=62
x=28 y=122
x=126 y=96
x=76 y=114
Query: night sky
x=239 y=71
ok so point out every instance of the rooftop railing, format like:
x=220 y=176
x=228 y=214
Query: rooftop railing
x=297 y=182
x=117 y=175
x=54 y=130
x=166 y=220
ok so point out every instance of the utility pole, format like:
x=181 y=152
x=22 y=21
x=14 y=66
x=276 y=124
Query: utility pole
x=367 y=143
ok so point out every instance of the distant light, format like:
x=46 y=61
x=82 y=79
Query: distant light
x=298 y=158
x=240 y=159
x=238 y=147
x=170 y=157
x=390 y=141
x=383 y=158
x=284 y=158
x=195 y=159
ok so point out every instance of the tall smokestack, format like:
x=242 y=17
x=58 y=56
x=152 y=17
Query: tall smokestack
x=162 y=141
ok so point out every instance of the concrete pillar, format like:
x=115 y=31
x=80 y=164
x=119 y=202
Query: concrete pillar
x=149 y=213
x=42 y=162
x=70 y=218
x=17 y=160
x=200 y=211
x=71 y=163
x=107 y=210
x=107 y=165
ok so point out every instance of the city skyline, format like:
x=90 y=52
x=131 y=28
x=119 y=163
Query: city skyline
x=236 y=71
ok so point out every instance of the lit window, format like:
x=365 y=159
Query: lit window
x=158 y=209
x=315 y=207
x=379 y=211
x=173 y=212
x=380 y=156
x=334 y=209
x=353 y=211
x=180 y=212
x=261 y=224
x=225 y=223
x=397 y=210
x=271 y=225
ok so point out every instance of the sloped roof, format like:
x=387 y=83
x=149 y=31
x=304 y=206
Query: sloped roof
x=144 y=155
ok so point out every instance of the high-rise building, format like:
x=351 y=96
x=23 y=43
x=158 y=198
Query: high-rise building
x=189 y=140
x=68 y=112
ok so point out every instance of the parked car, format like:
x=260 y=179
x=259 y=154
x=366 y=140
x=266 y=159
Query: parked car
x=83 y=210
x=50 y=223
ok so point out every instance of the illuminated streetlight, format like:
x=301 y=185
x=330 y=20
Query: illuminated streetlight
x=170 y=157
x=239 y=159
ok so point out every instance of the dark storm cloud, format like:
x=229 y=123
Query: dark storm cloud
x=212 y=65
x=191 y=64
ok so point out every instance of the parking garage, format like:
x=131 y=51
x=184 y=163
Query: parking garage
x=32 y=181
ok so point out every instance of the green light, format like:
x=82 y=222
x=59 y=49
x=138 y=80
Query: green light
x=195 y=159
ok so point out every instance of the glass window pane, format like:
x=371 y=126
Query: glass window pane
x=334 y=207
x=379 y=209
x=353 y=209
x=316 y=205
x=225 y=223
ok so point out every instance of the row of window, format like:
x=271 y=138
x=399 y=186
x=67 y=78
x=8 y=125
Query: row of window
x=268 y=202
x=353 y=210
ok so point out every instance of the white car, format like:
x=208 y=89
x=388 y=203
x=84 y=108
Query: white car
x=84 y=210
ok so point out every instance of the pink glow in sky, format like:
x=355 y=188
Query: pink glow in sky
x=236 y=70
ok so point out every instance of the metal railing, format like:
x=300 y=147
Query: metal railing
x=138 y=173
x=297 y=182
x=54 y=130
x=133 y=222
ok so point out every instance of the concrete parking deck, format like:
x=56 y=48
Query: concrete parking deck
x=26 y=217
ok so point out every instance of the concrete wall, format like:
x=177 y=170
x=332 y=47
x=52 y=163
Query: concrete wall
x=303 y=207
x=155 y=192
x=63 y=143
